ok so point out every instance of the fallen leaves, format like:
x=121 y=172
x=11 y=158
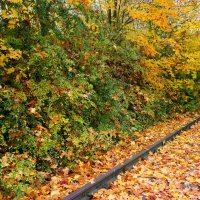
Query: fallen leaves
x=171 y=173
x=55 y=193
x=67 y=182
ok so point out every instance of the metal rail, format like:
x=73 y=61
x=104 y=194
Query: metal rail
x=85 y=193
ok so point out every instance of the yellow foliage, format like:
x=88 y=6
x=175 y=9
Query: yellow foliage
x=3 y=60
x=12 y=23
x=12 y=16
x=9 y=53
x=77 y=2
x=4 y=14
x=164 y=3
x=139 y=15
x=15 y=1
x=10 y=70
x=152 y=73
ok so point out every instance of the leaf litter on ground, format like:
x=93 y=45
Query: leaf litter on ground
x=172 y=173
x=63 y=183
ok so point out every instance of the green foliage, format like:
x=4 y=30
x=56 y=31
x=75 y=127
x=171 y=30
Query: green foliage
x=18 y=172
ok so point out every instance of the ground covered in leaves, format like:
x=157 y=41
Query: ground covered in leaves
x=171 y=173
x=65 y=182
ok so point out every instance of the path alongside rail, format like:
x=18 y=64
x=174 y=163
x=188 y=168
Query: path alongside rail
x=170 y=174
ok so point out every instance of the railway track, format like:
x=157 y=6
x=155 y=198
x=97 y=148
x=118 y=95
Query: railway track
x=85 y=193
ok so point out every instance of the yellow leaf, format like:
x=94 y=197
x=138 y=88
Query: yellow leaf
x=14 y=13
x=15 y=54
x=3 y=47
x=3 y=59
x=16 y=1
x=191 y=179
x=12 y=23
x=10 y=70
x=115 y=97
x=55 y=193
x=5 y=161
x=32 y=110
x=76 y=176
x=4 y=14
x=149 y=172
x=32 y=173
